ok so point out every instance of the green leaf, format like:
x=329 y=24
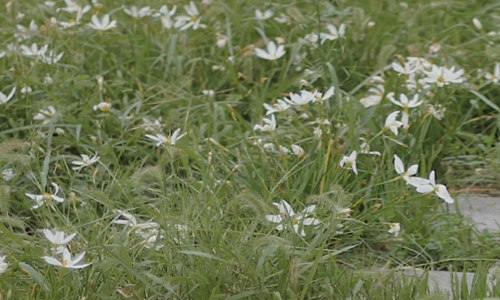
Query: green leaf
x=35 y=274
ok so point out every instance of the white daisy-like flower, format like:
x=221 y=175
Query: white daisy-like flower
x=138 y=13
x=58 y=238
x=287 y=217
x=375 y=95
x=272 y=52
x=495 y=76
x=442 y=76
x=45 y=115
x=269 y=125
x=350 y=162
x=400 y=169
x=431 y=186
x=8 y=174
x=394 y=228
x=84 y=162
x=103 y=106
x=280 y=105
x=45 y=197
x=166 y=16
x=333 y=33
x=3 y=264
x=102 y=24
x=66 y=261
x=5 y=98
x=34 y=50
x=391 y=123
x=192 y=20
x=263 y=15
x=162 y=140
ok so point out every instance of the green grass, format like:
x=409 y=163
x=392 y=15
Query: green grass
x=219 y=180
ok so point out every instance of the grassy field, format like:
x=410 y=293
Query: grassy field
x=244 y=149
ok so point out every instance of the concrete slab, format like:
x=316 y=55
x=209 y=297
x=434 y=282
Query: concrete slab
x=444 y=282
x=482 y=210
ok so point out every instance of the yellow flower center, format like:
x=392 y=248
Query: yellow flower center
x=64 y=262
x=47 y=196
x=105 y=107
x=195 y=18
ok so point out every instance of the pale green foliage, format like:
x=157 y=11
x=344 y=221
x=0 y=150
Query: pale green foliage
x=145 y=121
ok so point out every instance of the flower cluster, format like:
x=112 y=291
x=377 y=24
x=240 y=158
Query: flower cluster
x=148 y=231
x=62 y=256
x=288 y=218
x=422 y=185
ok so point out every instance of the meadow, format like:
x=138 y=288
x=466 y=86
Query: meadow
x=245 y=149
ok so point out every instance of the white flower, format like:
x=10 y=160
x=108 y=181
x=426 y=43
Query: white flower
x=282 y=18
x=319 y=97
x=303 y=98
x=148 y=231
x=400 y=169
x=374 y=96
x=418 y=63
x=4 y=98
x=25 y=33
x=104 y=24
x=208 y=93
x=34 y=50
x=405 y=69
x=350 y=161
x=406 y=104
x=394 y=228
x=26 y=90
x=436 y=111
x=392 y=124
x=71 y=7
x=495 y=77
x=45 y=115
x=80 y=11
x=318 y=132
x=365 y=148
x=281 y=105
x=152 y=125
x=192 y=20
x=162 y=140
x=58 y=238
x=3 y=264
x=269 y=125
x=333 y=33
x=261 y=16
x=298 y=151
x=138 y=13
x=221 y=40
x=431 y=186
x=51 y=57
x=125 y=218
x=103 y=106
x=47 y=80
x=84 y=162
x=272 y=52
x=442 y=76
x=66 y=261
x=151 y=238
x=287 y=217
x=45 y=197
x=166 y=16
x=8 y=174
x=477 y=24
